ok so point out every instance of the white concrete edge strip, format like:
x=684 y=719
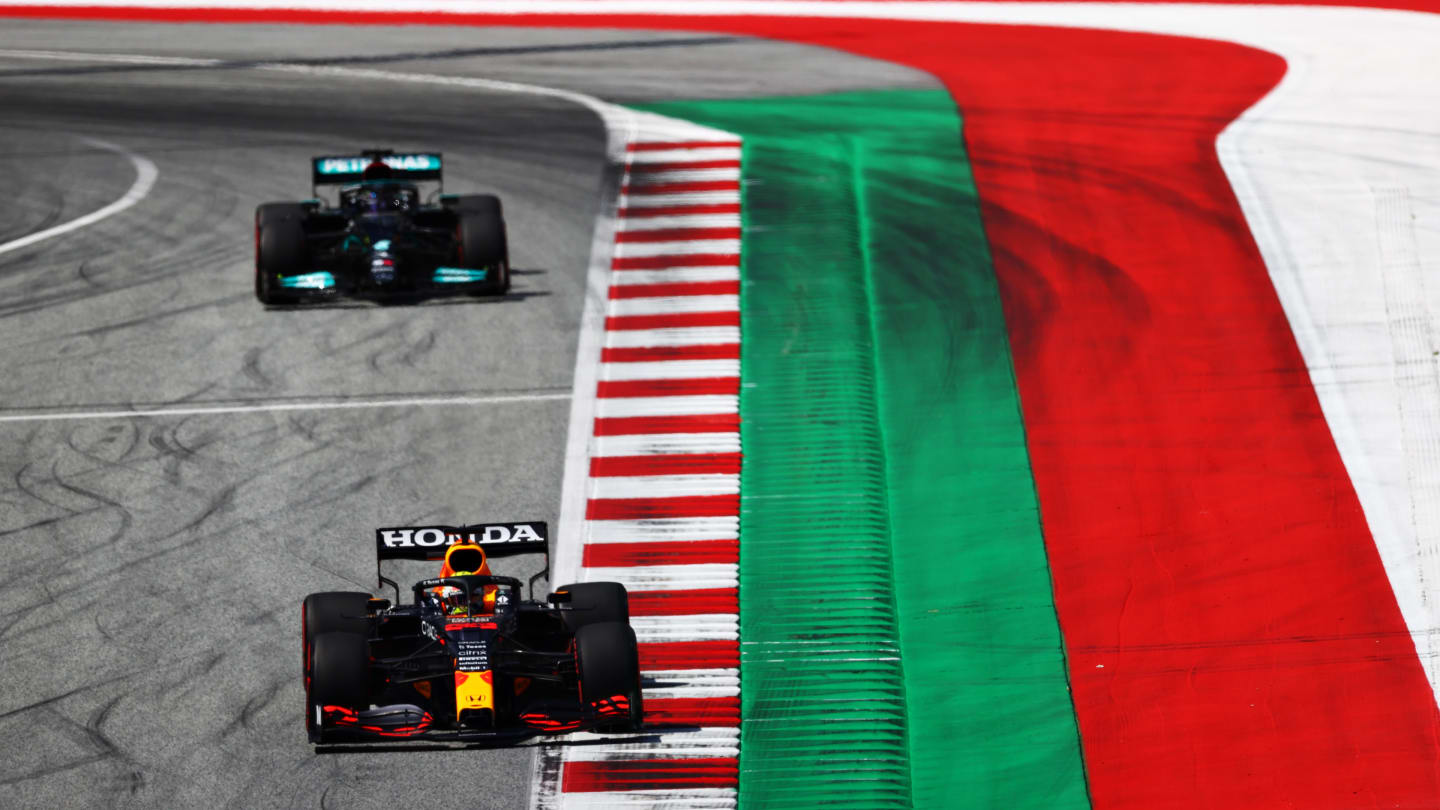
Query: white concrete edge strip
x=145 y=175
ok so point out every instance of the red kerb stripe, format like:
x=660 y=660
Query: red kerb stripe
x=645 y=508
x=680 y=188
x=668 y=388
x=679 y=210
x=676 y=464
x=670 y=320
x=665 y=655
x=649 y=774
x=683 y=603
x=691 y=552
x=643 y=425
x=676 y=289
x=670 y=260
x=712 y=711
x=677 y=234
x=644 y=354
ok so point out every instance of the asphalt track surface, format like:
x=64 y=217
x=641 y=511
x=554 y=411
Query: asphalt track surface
x=153 y=566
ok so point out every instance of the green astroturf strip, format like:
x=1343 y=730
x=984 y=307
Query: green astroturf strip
x=899 y=645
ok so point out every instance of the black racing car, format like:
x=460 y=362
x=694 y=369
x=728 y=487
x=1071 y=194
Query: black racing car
x=381 y=239
x=466 y=659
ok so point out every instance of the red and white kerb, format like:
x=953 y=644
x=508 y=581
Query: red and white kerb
x=663 y=494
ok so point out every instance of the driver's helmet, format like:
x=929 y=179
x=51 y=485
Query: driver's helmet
x=462 y=559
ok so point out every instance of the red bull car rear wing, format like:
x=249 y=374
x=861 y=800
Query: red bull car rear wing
x=431 y=543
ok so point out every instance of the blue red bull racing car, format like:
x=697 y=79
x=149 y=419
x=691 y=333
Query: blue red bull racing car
x=465 y=658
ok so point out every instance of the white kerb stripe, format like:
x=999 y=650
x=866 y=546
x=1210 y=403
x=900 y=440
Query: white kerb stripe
x=669 y=370
x=674 y=305
x=698 y=155
x=661 y=799
x=716 y=678
x=667 y=577
x=679 y=198
x=677 y=275
x=708 y=741
x=679 y=336
x=623 y=407
x=688 y=247
x=665 y=444
x=663 y=486
x=662 y=530
x=692 y=627
x=630 y=224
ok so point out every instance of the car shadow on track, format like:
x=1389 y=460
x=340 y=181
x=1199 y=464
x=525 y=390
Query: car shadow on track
x=533 y=742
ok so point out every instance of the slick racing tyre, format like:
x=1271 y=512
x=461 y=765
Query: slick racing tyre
x=480 y=236
x=279 y=249
x=339 y=671
x=320 y=613
x=596 y=603
x=609 y=664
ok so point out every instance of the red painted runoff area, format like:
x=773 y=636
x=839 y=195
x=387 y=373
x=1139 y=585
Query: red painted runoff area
x=1233 y=640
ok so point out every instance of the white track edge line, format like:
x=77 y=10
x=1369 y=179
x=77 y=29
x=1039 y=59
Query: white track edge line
x=145 y=176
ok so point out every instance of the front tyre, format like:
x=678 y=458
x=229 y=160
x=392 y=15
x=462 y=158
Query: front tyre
x=279 y=250
x=608 y=662
x=481 y=239
x=339 y=665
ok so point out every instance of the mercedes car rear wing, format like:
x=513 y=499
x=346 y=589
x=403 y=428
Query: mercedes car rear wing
x=332 y=170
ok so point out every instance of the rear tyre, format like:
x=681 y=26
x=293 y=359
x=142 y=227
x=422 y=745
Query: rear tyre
x=279 y=250
x=481 y=238
x=609 y=665
x=596 y=603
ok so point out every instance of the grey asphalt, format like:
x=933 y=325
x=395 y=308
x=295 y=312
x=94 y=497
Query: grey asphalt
x=151 y=568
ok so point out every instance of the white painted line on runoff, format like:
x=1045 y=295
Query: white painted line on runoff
x=145 y=175
x=271 y=407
